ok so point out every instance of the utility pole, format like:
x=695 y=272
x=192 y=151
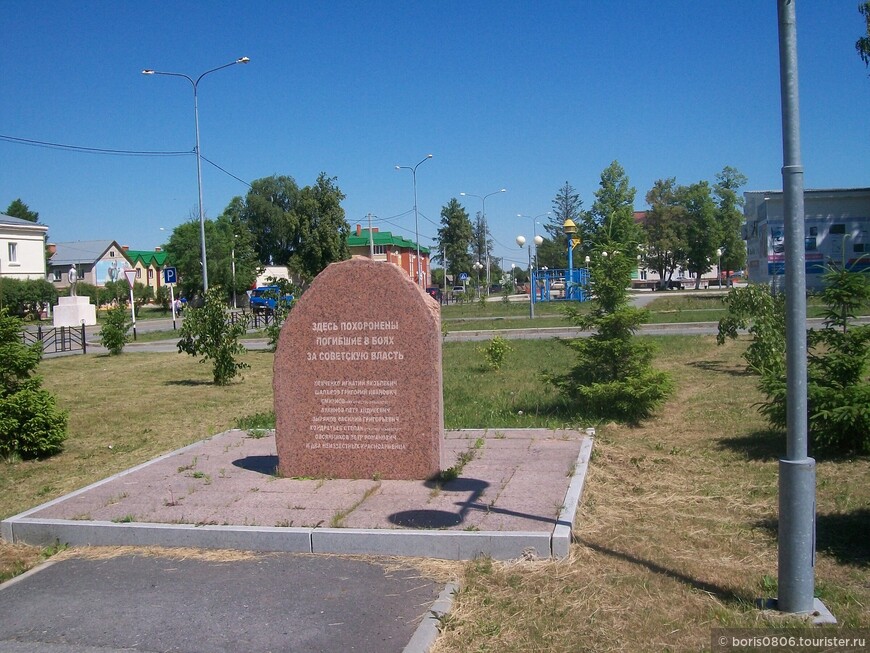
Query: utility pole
x=797 y=471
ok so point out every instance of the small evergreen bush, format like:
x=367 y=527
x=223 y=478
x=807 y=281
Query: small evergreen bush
x=31 y=424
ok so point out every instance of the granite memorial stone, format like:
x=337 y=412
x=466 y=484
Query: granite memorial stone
x=357 y=380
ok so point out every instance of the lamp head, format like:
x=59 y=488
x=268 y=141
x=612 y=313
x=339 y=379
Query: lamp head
x=242 y=60
x=147 y=71
x=521 y=240
x=539 y=240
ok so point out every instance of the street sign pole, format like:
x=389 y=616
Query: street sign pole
x=170 y=278
x=131 y=279
x=172 y=304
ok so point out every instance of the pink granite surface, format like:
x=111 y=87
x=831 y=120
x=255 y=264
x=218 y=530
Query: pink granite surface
x=516 y=481
x=357 y=380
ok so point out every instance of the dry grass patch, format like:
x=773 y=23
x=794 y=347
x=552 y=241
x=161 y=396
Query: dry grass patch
x=676 y=533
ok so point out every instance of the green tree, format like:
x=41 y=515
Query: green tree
x=162 y=297
x=862 y=45
x=613 y=377
x=283 y=290
x=269 y=212
x=323 y=229
x=455 y=237
x=26 y=297
x=702 y=230
x=18 y=209
x=613 y=229
x=664 y=230
x=31 y=424
x=208 y=332
x=729 y=216
x=838 y=371
x=302 y=228
x=553 y=252
x=481 y=244
x=115 y=332
x=757 y=310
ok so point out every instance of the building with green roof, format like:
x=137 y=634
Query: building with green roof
x=384 y=246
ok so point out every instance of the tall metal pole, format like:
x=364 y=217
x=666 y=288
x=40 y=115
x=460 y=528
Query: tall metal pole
x=482 y=199
x=416 y=221
x=233 y=261
x=797 y=472
x=195 y=85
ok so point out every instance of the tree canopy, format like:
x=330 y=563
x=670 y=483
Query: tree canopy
x=454 y=238
x=303 y=228
x=18 y=209
x=862 y=45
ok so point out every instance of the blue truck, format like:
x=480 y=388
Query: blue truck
x=265 y=298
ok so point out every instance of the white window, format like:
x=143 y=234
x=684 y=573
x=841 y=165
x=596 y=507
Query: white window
x=380 y=249
x=13 y=252
x=150 y=274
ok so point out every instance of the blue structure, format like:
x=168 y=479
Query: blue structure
x=560 y=285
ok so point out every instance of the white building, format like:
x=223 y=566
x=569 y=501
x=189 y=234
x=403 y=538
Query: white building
x=22 y=248
x=836 y=231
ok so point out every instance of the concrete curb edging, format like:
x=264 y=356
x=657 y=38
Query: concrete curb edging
x=427 y=543
x=427 y=631
x=565 y=522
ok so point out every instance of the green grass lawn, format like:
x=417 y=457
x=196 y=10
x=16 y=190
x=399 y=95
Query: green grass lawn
x=676 y=532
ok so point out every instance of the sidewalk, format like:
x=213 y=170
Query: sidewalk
x=516 y=497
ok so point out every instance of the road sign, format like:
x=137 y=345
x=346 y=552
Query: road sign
x=575 y=242
x=170 y=275
x=463 y=276
x=131 y=277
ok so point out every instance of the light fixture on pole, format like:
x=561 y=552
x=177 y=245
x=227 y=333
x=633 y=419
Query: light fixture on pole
x=477 y=267
x=416 y=221
x=719 y=265
x=482 y=199
x=195 y=85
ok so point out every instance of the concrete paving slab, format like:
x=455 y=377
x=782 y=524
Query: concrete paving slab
x=517 y=492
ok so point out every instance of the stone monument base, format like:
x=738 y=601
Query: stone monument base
x=74 y=311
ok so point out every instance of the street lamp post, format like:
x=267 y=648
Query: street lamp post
x=482 y=199
x=416 y=222
x=477 y=266
x=521 y=241
x=195 y=85
x=570 y=231
x=719 y=265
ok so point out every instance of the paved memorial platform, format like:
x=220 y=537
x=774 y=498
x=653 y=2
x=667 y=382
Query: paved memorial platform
x=516 y=496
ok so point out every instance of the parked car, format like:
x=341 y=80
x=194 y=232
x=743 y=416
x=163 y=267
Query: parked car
x=434 y=293
x=458 y=289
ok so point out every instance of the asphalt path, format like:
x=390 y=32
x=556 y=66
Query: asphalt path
x=269 y=603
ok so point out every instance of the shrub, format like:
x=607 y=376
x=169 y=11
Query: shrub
x=838 y=371
x=26 y=297
x=495 y=352
x=614 y=377
x=208 y=332
x=115 y=332
x=31 y=425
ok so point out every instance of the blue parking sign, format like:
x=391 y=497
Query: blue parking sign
x=170 y=275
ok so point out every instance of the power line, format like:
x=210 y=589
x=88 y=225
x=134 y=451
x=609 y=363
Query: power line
x=91 y=150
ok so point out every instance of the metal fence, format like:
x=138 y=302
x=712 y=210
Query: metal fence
x=57 y=340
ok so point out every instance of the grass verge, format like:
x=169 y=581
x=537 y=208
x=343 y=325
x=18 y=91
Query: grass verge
x=676 y=533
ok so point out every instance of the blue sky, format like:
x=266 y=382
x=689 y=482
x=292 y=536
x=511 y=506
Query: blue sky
x=520 y=95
